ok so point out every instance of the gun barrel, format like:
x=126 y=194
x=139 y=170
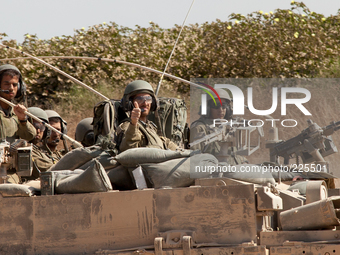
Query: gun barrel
x=331 y=128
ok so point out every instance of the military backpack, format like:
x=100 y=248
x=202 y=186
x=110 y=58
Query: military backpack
x=172 y=120
x=107 y=115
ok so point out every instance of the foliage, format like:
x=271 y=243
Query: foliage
x=284 y=43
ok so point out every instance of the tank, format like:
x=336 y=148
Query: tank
x=218 y=215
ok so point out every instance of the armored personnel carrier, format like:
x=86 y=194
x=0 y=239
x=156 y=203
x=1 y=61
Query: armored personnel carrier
x=215 y=215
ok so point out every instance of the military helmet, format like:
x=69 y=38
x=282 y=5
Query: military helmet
x=223 y=94
x=54 y=114
x=38 y=112
x=22 y=86
x=134 y=88
x=84 y=132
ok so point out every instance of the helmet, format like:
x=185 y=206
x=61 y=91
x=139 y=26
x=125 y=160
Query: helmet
x=134 y=88
x=38 y=112
x=54 y=114
x=223 y=94
x=84 y=132
x=22 y=86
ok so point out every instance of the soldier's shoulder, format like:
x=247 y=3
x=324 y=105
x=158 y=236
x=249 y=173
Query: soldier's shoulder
x=197 y=123
x=122 y=127
x=151 y=125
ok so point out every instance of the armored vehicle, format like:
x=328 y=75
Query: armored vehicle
x=215 y=215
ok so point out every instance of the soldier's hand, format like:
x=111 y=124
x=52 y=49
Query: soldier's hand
x=135 y=114
x=19 y=111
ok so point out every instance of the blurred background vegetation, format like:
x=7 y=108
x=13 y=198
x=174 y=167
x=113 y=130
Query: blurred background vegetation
x=296 y=42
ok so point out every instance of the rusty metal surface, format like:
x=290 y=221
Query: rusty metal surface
x=317 y=215
x=277 y=238
x=310 y=249
x=86 y=223
x=234 y=250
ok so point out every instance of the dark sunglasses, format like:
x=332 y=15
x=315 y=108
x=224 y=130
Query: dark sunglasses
x=39 y=126
x=224 y=106
x=142 y=99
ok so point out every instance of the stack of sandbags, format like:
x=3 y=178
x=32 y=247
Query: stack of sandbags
x=247 y=172
x=80 y=159
x=93 y=179
x=136 y=156
x=165 y=168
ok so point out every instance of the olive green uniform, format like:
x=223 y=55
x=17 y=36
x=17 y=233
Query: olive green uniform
x=54 y=155
x=142 y=135
x=11 y=128
x=41 y=161
x=199 y=129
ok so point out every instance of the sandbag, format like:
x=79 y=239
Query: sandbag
x=34 y=183
x=134 y=157
x=105 y=159
x=16 y=190
x=62 y=174
x=93 y=179
x=178 y=172
x=76 y=158
x=247 y=172
x=120 y=178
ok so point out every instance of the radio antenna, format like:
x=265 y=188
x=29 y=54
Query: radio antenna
x=166 y=66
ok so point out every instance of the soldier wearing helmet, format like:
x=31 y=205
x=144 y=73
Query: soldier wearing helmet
x=13 y=121
x=51 y=139
x=41 y=161
x=84 y=132
x=139 y=99
x=203 y=126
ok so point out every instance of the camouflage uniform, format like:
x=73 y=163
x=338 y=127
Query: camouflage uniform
x=11 y=128
x=201 y=128
x=142 y=135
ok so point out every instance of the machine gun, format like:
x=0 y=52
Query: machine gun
x=18 y=156
x=312 y=144
x=235 y=133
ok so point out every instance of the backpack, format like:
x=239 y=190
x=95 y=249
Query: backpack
x=172 y=120
x=107 y=115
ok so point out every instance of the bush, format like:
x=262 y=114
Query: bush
x=285 y=43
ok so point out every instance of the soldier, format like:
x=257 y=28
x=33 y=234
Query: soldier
x=139 y=99
x=13 y=121
x=41 y=160
x=203 y=127
x=84 y=132
x=51 y=142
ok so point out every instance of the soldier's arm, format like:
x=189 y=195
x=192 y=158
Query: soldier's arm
x=197 y=132
x=40 y=161
x=132 y=137
x=169 y=144
x=26 y=130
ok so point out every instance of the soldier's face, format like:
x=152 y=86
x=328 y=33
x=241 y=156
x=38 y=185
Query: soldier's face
x=40 y=131
x=11 y=84
x=144 y=101
x=218 y=112
x=55 y=137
